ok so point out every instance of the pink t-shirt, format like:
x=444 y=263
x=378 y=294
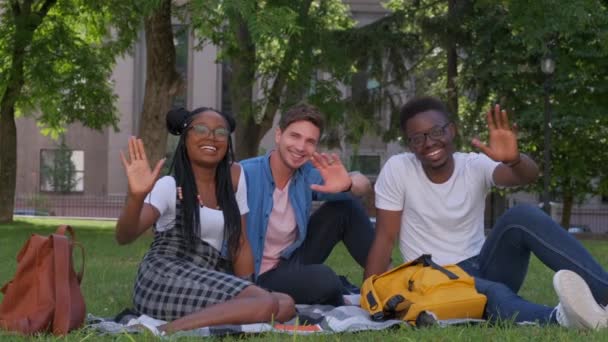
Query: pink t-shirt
x=282 y=229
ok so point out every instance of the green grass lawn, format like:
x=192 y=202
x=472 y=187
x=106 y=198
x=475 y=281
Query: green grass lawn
x=110 y=271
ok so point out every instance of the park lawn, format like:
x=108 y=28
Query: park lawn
x=110 y=271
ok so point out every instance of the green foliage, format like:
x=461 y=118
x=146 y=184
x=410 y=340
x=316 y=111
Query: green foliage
x=500 y=46
x=426 y=28
x=69 y=60
x=310 y=49
x=507 y=42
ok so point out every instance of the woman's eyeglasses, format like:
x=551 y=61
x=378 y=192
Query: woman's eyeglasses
x=219 y=134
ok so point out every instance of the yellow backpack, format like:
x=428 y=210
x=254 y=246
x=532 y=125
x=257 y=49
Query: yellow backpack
x=422 y=285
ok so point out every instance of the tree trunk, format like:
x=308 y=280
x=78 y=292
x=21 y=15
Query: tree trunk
x=567 y=209
x=26 y=24
x=241 y=91
x=8 y=156
x=250 y=132
x=248 y=139
x=452 y=60
x=162 y=81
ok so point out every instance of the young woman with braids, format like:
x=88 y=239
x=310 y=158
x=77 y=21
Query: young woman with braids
x=198 y=269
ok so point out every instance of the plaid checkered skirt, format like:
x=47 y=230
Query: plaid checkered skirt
x=175 y=279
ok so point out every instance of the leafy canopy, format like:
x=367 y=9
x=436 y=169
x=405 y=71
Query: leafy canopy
x=69 y=61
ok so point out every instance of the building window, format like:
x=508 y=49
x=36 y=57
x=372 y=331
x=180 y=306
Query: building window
x=366 y=164
x=61 y=170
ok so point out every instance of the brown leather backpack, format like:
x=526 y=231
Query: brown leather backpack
x=44 y=296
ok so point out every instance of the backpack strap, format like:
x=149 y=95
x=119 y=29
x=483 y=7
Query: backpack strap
x=61 y=251
x=427 y=260
x=372 y=301
x=80 y=273
x=391 y=305
x=62 y=230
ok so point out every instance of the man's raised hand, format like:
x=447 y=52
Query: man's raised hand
x=334 y=174
x=502 y=144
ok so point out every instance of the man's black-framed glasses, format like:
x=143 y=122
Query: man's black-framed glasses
x=435 y=133
x=219 y=134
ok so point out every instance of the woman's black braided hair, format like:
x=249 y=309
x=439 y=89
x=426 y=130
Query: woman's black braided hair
x=178 y=123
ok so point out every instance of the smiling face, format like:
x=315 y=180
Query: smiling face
x=296 y=143
x=430 y=137
x=207 y=139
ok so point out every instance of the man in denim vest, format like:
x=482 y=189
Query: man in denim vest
x=289 y=244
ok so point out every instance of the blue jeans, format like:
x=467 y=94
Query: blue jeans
x=502 y=264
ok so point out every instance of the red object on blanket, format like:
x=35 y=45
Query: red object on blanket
x=44 y=295
x=298 y=328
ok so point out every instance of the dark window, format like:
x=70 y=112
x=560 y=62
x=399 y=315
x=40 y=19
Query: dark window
x=366 y=164
x=366 y=92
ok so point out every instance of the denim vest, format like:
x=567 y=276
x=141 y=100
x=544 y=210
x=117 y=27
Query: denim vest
x=260 y=187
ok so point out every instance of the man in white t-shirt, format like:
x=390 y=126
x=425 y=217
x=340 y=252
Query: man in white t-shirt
x=433 y=200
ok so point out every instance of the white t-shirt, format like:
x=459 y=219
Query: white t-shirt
x=162 y=197
x=445 y=220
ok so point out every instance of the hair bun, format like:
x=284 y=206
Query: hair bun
x=177 y=120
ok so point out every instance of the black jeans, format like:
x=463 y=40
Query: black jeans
x=304 y=276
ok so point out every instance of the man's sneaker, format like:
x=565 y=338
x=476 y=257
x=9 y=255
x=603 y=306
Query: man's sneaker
x=562 y=318
x=577 y=308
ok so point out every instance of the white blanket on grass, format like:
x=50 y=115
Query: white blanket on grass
x=310 y=319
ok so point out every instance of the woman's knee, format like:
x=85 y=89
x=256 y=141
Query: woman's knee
x=287 y=307
x=267 y=304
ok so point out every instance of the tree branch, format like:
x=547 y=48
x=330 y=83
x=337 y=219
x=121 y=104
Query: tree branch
x=274 y=96
x=46 y=6
x=27 y=6
x=15 y=7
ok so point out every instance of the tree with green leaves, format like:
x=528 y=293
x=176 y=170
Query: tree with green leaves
x=279 y=53
x=437 y=30
x=282 y=52
x=56 y=58
x=163 y=82
x=274 y=48
x=505 y=45
x=484 y=52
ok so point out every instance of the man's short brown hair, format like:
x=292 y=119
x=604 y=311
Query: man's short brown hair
x=302 y=112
